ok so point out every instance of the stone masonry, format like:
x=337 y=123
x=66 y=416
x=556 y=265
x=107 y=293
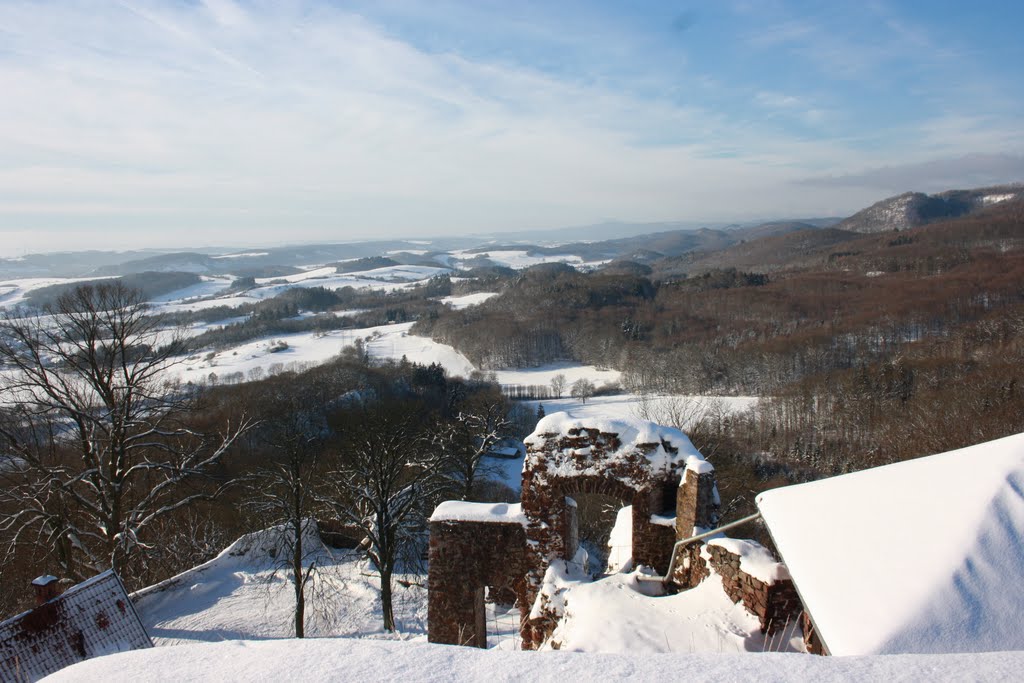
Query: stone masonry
x=774 y=603
x=466 y=558
x=563 y=465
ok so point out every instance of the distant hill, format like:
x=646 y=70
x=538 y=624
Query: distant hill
x=914 y=209
x=149 y=284
x=651 y=247
x=773 y=252
x=253 y=262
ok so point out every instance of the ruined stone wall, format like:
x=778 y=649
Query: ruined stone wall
x=696 y=503
x=465 y=558
x=465 y=555
x=696 y=508
x=774 y=604
x=579 y=462
x=690 y=567
x=652 y=543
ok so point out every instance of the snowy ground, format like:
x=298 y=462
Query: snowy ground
x=618 y=614
x=207 y=287
x=241 y=594
x=466 y=300
x=342 y=659
x=631 y=405
x=384 y=341
x=543 y=375
x=516 y=258
x=14 y=292
x=303 y=349
x=394 y=342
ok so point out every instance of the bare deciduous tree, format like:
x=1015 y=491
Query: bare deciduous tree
x=103 y=437
x=558 y=383
x=282 y=492
x=583 y=389
x=385 y=479
x=478 y=426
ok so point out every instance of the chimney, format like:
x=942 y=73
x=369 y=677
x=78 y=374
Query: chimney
x=46 y=588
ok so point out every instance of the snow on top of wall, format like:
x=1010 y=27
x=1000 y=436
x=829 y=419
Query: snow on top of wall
x=698 y=465
x=464 y=511
x=633 y=433
x=755 y=559
x=920 y=556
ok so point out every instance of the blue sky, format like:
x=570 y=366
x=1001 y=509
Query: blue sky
x=144 y=123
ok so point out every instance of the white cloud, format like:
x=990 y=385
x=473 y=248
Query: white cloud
x=209 y=123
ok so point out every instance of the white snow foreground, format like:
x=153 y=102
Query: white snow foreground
x=922 y=556
x=246 y=593
x=342 y=659
x=623 y=613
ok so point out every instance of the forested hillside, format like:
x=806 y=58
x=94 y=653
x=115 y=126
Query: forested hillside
x=868 y=348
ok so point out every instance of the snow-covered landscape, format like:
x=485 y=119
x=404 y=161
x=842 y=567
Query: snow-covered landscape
x=511 y=341
x=232 y=617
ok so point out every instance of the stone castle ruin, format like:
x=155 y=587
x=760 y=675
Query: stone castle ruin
x=507 y=549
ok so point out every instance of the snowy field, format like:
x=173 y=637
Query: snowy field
x=209 y=286
x=467 y=300
x=543 y=375
x=212 y=290
x=263 y=355
x=516 y=258
x=384 y=342
x=14 y=292
x=626 y=405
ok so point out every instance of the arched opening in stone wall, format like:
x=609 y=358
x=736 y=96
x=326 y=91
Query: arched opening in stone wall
x=596 y=515
x=598 y=502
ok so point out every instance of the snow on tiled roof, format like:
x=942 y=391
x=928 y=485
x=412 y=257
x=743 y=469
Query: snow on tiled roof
x=923 y=556
x=94 y=618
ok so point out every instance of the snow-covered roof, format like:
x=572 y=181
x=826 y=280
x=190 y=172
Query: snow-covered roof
x=921 y=556
x=91 y=619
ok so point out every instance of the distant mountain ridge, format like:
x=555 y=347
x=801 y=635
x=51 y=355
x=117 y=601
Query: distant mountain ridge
x=914 y=209
x=687 y=242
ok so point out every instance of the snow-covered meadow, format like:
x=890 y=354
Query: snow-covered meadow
x=245 y=594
